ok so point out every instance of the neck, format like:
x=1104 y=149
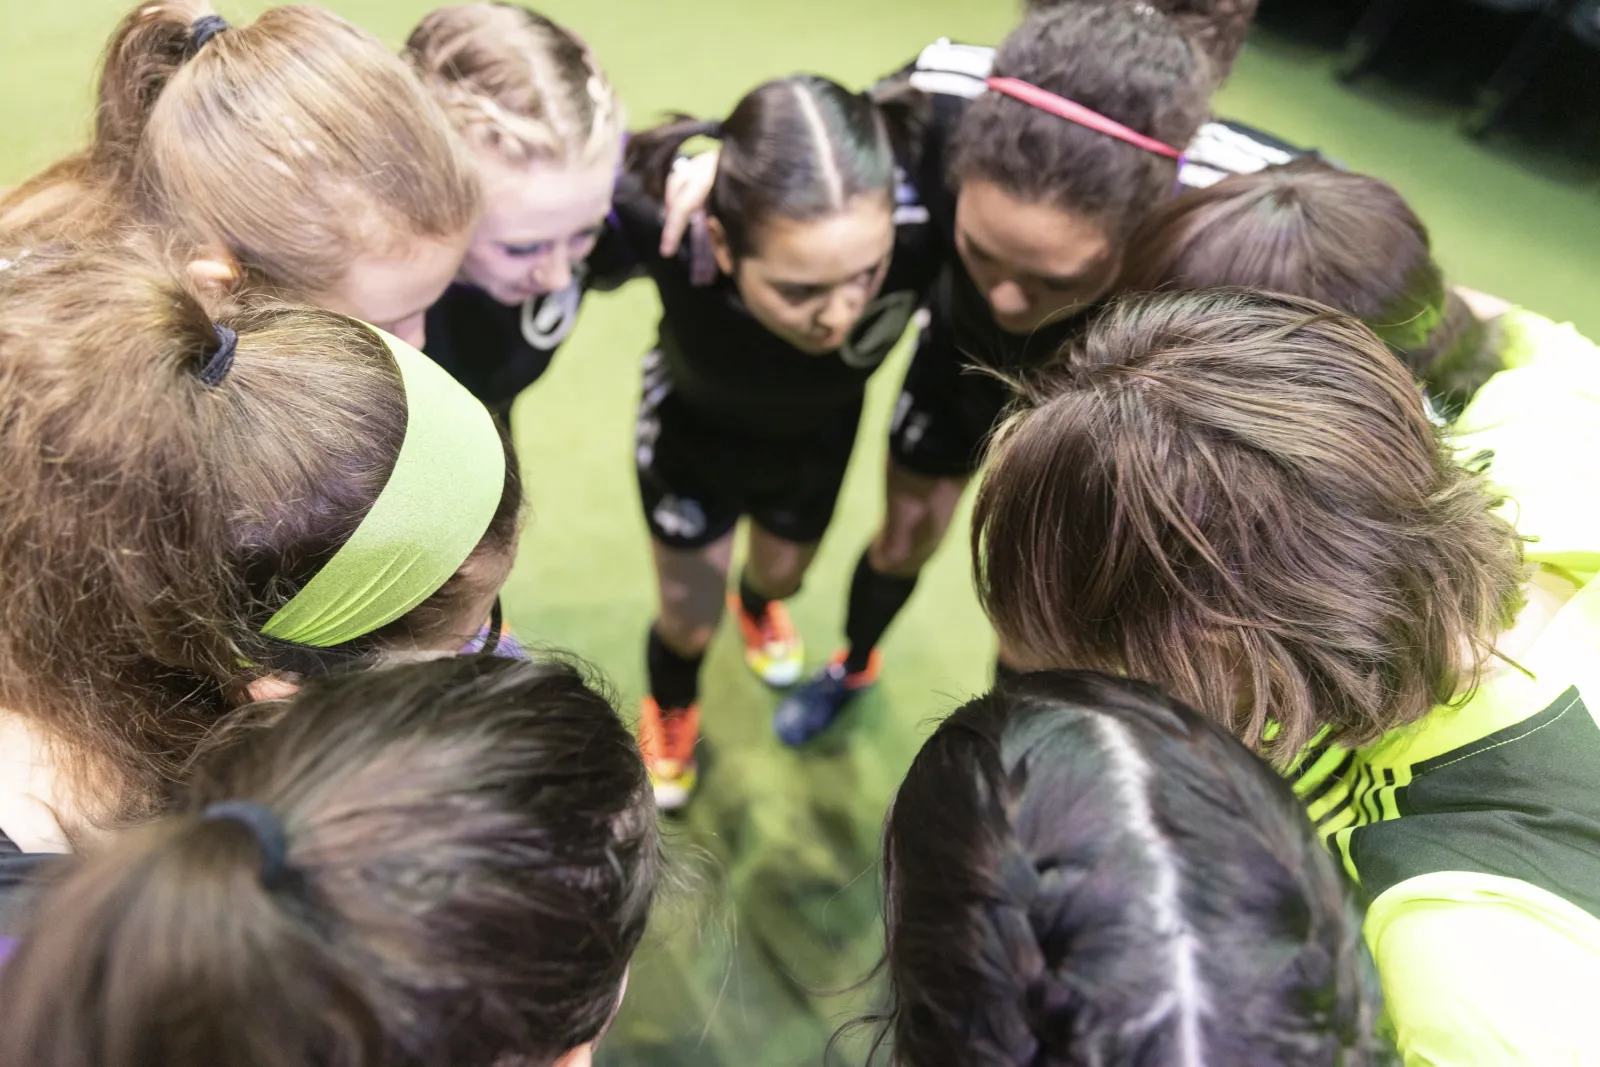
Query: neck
x=37 y=810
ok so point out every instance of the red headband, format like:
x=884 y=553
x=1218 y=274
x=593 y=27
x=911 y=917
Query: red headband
x=1045 y=100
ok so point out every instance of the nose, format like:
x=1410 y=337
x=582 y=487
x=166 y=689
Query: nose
x=843 y=309
x=1007 y=298
x=413 y=331
x=555 y=273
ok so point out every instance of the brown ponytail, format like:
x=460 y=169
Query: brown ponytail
x=295 y=143
x=152 y=523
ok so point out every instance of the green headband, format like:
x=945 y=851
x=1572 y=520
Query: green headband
x=441 y=496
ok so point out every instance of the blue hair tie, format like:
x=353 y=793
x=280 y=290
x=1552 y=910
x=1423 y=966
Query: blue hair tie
x=264 y=827
x=220 y=362
x=203 y=29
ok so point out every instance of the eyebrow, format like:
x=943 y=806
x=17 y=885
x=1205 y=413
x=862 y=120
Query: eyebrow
x=809 y=284
x=1048 y=279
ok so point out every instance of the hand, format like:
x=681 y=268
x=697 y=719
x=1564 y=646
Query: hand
x=688 y=189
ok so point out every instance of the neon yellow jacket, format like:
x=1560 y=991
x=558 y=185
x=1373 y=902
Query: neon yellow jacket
x=1476 y=831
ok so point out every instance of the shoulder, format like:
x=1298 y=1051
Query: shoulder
x=946 y=68
x=1478 y=969
x=1223 y=147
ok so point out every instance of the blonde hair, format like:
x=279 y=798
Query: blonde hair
x=514 y=83
x=292 y=142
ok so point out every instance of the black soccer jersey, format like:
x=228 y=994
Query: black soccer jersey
x=498 y=350
x=738 y=376
x=952 y=76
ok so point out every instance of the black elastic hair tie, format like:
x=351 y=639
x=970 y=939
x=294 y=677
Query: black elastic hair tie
x=711 y=128
x=220 y=362
x=203 y=29
x=267 y=830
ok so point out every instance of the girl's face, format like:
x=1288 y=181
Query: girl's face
x=1033 y=263
x=540 y=220
x=809 y=282
x=394 y=290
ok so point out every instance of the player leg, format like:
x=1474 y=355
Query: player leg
x=691 y=527
x=936 y=441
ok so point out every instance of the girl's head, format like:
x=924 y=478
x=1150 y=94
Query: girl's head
x=1079 y=870
x=802 y=212
x=296 y=151
x=546 y=127
x=1217 y=26
x=1239 y=496
x=443 y=862
x=1312 y=230
x=1045 y=205
x=199 y=496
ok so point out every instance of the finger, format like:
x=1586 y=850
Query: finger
x=676 y=219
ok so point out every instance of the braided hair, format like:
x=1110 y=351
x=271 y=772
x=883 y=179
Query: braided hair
x=1080 y=871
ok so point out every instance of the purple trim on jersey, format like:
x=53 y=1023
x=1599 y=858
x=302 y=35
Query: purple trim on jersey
x=8 y=945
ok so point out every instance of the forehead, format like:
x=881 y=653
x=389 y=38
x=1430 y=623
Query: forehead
x=1039 y=239
x=391 y=285
x=827 y=249
x=525 y=202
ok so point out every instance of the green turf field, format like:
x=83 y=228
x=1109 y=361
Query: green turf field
x=778 y=901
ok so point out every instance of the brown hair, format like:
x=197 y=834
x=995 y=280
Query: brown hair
x=517 y=84
x=295 y=142
x=1127 y=62
x=152 y=523
x=471 y=852
x=1347 y=240
x=1238 y=495
x=1217 y=26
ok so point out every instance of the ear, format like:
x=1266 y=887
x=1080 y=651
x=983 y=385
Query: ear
x=272 y=687
x=213 y=270
x=720 y=250
x=582 y=1056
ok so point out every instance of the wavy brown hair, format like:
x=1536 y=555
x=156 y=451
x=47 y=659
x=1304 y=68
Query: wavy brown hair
x=151 y=523
x=1238 y=495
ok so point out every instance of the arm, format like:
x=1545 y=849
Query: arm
x=1481 y=970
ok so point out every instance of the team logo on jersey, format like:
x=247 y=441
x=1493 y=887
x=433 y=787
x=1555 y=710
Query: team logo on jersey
x=880 y=328
x=547 y=319
x=678 y=516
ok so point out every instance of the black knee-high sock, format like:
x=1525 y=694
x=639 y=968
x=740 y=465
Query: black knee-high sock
x=875 y=599
x=755 y=605
x=674 y=679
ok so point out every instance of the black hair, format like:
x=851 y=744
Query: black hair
x=1080 y=870
x=1128 y=62
x=469 y=856
x=797 y=148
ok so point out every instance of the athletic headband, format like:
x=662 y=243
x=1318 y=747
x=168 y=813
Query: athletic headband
x=1060 y=106
x=265 y=828
x=441 y=496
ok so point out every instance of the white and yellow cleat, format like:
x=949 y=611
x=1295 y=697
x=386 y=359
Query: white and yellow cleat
x=772 y=646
